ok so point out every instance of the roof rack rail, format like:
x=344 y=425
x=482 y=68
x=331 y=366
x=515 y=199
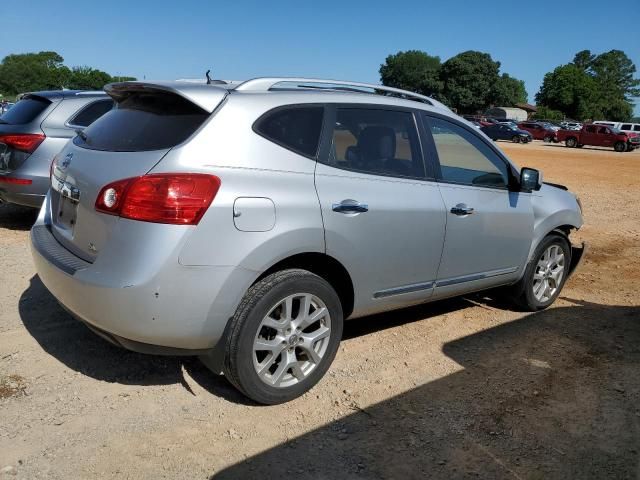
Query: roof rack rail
x=265 y=84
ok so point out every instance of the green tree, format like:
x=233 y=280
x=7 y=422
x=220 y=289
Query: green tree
x=570 y=90
x=87 y=78
x=29 y=72
x=468 y=80
x=547 y=113
x=412 y=70
x=507 y=91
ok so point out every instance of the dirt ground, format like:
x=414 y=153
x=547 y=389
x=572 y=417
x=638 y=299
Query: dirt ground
x=466 y=388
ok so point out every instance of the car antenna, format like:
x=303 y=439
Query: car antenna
x=208 y=77
x=212 y=81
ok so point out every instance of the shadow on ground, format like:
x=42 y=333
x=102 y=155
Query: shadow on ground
x=73 y=344
x=15 y=217
x=552 y=395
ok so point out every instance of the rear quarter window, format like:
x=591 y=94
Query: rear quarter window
x=26 y=110
x=143 y=121
x=91 y=112
x=296 y=128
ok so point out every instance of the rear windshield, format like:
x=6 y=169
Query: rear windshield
x=25 y=111
x=143 y=121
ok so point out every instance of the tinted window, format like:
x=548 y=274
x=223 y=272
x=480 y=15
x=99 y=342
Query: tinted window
x=295 y=128
x=25 y=111
x=144 y=121
x=465 y=158
x=591 y=129
x=626 y=126
x=603 y=130
x=91 y=113
x=372 y=141
x=636 y=128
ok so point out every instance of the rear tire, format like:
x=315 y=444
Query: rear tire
x=571 y=142
x=620 y=147
x=279 y=313
x=545 y=274
x=548 y=139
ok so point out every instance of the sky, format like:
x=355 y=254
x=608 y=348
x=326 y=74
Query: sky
x=345 y=40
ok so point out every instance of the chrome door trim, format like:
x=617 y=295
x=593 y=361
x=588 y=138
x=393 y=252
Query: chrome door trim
x=414 y=287
x=475 y=276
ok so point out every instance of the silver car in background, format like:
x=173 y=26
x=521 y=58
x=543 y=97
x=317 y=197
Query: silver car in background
x=244 y=223
x=33 y=131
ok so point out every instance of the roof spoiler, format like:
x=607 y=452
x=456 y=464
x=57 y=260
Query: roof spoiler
x=207 y=97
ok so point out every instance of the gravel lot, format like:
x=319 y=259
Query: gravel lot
x=466 y=388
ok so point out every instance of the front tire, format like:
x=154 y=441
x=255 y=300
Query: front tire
x=284 y=336
x=545 y=274
x=515 y=139
x=620 y=147
x=548 y=139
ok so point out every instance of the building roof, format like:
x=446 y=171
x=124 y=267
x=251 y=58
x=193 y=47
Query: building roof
x=527 y=106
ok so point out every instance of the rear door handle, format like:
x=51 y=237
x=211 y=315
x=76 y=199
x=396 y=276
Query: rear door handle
x=347 y=206
x=462 y=209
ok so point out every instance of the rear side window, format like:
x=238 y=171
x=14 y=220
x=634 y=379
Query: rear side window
x=26 y=110
x=464 y=158
x=295 y=128
x=626 y=126
x=378 y=142
x=143 y=121
x=90 y=113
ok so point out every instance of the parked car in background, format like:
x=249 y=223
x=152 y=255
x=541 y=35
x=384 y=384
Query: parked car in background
x=571 y=125
x=246 y=222
x=33 y=131
x=629 y=128
x=503 y=131
x=539 y=131
x=5 y=107
x=599 y=136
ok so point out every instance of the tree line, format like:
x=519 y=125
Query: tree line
x=591 y=86
x=31 y=72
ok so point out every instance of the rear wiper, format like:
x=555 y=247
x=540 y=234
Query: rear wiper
x=81 y=134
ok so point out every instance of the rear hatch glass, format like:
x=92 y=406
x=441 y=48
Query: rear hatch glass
x=144 y=121
x=25 y=111
x=126 y=142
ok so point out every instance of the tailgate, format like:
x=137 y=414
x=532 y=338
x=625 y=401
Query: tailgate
x=124 y=143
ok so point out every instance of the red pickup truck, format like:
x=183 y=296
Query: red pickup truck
x=599 y=136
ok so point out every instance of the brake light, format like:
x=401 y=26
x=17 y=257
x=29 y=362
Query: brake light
x=175 y=198
x=16 y=181
x=25 y=142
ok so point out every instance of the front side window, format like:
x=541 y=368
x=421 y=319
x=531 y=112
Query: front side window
x=379 y=142
x=591 y=129
x=296 y=128
x=603 y=130
x=626 y=126
x=91 y=113
x=464 y=158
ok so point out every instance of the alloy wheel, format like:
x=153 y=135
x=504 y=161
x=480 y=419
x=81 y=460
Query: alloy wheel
x=548 y=274
x=292 y=340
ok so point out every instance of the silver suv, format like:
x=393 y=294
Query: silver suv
x=33 y=131
x=243 y=223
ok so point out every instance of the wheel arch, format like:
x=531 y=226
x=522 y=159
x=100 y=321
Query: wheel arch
x=326 y=267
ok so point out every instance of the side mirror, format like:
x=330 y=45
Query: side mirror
x=530 y=179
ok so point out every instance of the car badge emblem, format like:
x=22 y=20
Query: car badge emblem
x=92 y=247
x=67 y=160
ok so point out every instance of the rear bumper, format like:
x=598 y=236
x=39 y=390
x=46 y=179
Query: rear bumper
x=31 y=195
x=166 y=308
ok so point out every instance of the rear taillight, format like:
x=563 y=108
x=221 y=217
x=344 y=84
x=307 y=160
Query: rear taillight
x=176 y=198
x=25 y=142
x=16 y=181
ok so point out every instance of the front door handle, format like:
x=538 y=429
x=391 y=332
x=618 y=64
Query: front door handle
x=462 y=209
x=350 y=206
